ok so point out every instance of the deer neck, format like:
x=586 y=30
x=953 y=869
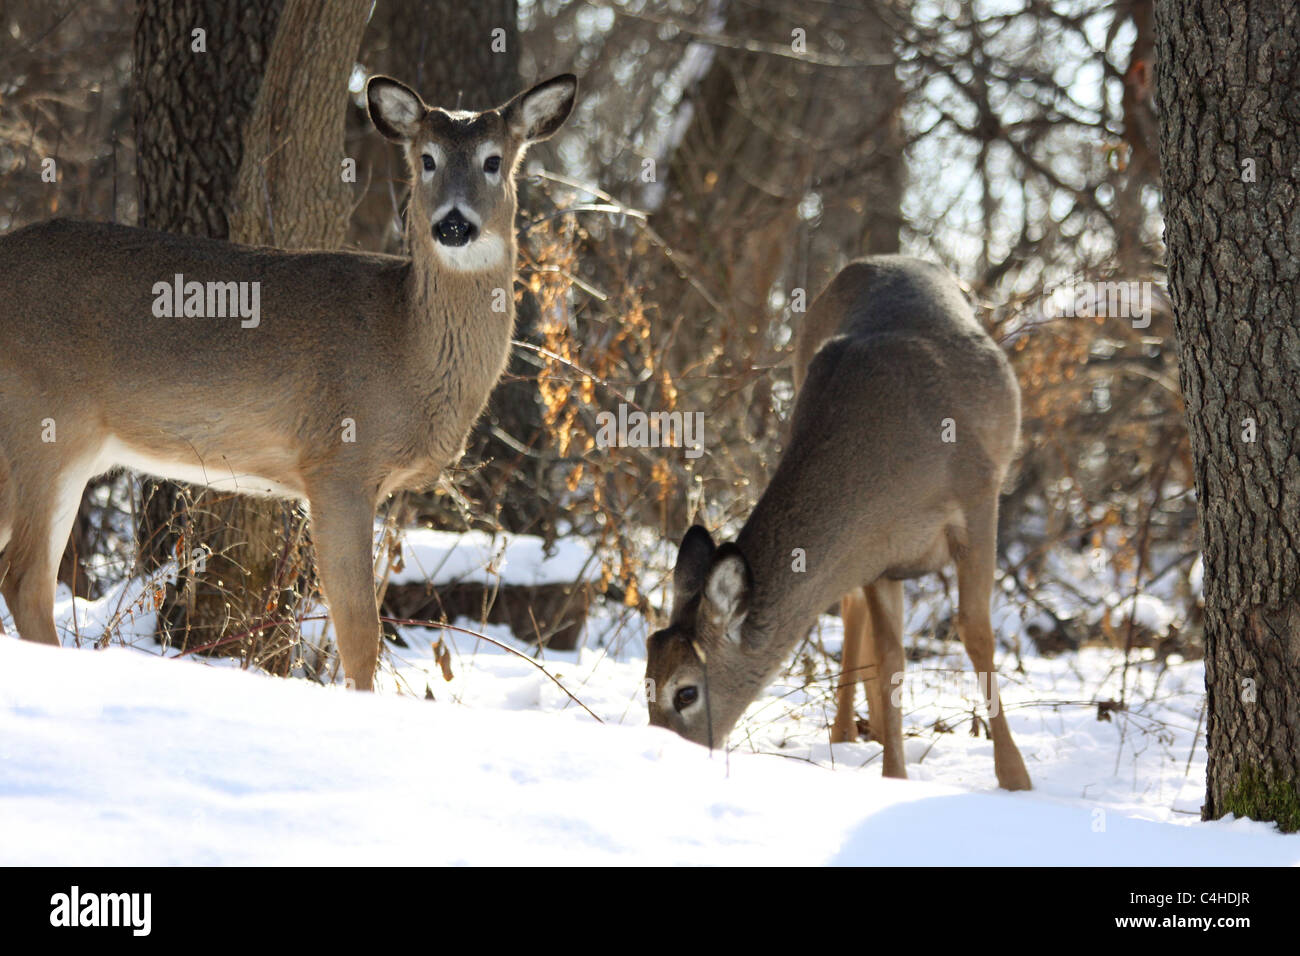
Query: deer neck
x=796 y=549
x=459 y=310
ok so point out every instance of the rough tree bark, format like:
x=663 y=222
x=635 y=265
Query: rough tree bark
x=284 y=188
x=290 y=190
x=1229 y=98
x=190 y=112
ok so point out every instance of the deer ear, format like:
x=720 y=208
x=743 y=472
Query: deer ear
x=693 y=559
x=727 y=589
x=537 y=113
x=395 y=108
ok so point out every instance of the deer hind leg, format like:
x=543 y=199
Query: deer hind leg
x=884 y=643
x=975 y=563
x=853 y=613
x=342 y=526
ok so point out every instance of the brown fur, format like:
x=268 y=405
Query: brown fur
x=871 y=493
x=407 y=348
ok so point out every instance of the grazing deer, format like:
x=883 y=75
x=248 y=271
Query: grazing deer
x=349 y=375
x=907 y=418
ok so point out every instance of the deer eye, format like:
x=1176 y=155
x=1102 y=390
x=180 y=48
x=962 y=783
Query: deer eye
x=429 y=164
x=685 y=697
x=492 y=164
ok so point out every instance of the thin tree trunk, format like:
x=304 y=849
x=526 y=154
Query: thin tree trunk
x=290 y=190
x=1228 y=88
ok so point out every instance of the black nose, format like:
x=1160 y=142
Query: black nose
x=454 y=229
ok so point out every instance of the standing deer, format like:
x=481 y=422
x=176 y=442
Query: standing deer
x=352 y=376
x=907 y=419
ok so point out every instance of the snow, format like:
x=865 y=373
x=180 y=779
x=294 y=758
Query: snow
x=128 y=756
x=113 y=758
x=1147 y=610
x=442 y=557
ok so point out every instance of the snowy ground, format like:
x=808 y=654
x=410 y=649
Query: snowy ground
x=122 y=756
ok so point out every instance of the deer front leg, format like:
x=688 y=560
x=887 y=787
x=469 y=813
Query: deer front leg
x=30 y=564
x=28 y=570
x=342 y=525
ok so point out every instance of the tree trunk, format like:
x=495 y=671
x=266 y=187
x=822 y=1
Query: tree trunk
x=290 y=190
x=477 y=77
x=1229 y=97
x=191 y=108
x=286 y=190
x=190 y=113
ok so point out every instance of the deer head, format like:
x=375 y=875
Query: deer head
x=697 y=666
x=463 y=165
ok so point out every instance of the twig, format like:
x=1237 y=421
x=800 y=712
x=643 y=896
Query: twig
x=548 y=354
x=713 y=38
x=500 y=644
